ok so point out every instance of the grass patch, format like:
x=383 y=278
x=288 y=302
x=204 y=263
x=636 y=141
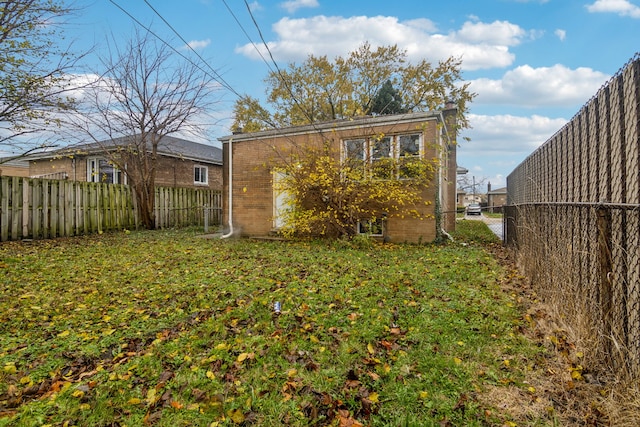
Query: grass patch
x=165 y=328
x=493 y=215
x=473 y=231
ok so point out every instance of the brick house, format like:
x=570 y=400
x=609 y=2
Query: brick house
x=181 y=163
x=14 y=167
x=251 y=203
x=496 y=198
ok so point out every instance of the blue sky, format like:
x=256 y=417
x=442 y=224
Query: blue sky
x=532 y=63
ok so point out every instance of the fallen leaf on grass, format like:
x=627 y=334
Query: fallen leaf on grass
x=236 y=416
x=371 y=349
x=346 y=420
x=152 y=397
x=373 y=376
x=244 y=356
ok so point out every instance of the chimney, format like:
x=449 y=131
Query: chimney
x=489 y=187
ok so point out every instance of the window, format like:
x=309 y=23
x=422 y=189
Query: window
x=200 y=175
x=409 y=145
x=381 y=152
x=102 y=170
x=371 y=227
x=354 y=149
x=408 y=153
x=381 y=148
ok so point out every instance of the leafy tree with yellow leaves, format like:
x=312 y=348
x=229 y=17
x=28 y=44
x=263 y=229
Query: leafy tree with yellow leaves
x=329 y=198
x=320 y=89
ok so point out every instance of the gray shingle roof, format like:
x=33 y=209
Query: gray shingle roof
x=170 y=146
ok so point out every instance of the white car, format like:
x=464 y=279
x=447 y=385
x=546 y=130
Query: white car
x=474 y=209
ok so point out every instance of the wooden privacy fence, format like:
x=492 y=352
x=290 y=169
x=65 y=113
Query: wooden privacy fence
x=42 y=208
x=178 y=207
x=573 y=219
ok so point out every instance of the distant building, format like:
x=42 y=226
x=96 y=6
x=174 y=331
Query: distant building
x=496 y=198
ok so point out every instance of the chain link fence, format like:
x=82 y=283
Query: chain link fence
x=573 y=219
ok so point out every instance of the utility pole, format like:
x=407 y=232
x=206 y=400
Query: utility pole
x=474 y=188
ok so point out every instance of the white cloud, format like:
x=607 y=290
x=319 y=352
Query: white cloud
x=499 y=143
x=479 y=45
x=198 y=44
x=561 y=34
x=255 y=6
x=422 y=24
x=292 y=5
x=556 y=86
x=621 y=7
x=495 y=33
x=508 y=134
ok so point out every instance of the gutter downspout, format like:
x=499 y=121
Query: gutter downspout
x=230 y=190
x=440 y=177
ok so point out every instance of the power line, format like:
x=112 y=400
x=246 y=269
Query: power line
x=247 y=35
x=215 y=77
x=280 y=75
x=222 y=80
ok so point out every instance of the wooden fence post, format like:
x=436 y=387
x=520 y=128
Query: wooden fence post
x=25 y=208
x=4 y=208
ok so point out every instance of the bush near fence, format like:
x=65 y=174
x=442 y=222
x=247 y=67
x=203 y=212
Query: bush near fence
x=42 y=208
x=573 y=219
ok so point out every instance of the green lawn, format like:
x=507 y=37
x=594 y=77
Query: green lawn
x=166 y=328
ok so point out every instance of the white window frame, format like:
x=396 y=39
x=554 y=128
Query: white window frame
x=206 y=175
x=364 y=227
x=94 y=174
x=394 y=148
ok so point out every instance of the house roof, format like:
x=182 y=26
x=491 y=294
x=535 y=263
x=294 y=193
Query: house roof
x=502 y=190
x=169 y=146
x=13 y=162
x=341 y=124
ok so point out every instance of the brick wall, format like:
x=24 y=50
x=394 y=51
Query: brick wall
x=13 y=171
x=172 y=172
x=64 y=164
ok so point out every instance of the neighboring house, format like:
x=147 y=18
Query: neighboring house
x=15 y=167
x=496 y=198
x=181 y=163
x=461 y=198
x=469 y=198
x=461 y=195
x=251 y=204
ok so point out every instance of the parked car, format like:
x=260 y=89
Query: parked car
x=474 y=209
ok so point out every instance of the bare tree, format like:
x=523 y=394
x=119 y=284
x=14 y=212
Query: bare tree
x=145 y=94
x=33 y=73
x=470 y=184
